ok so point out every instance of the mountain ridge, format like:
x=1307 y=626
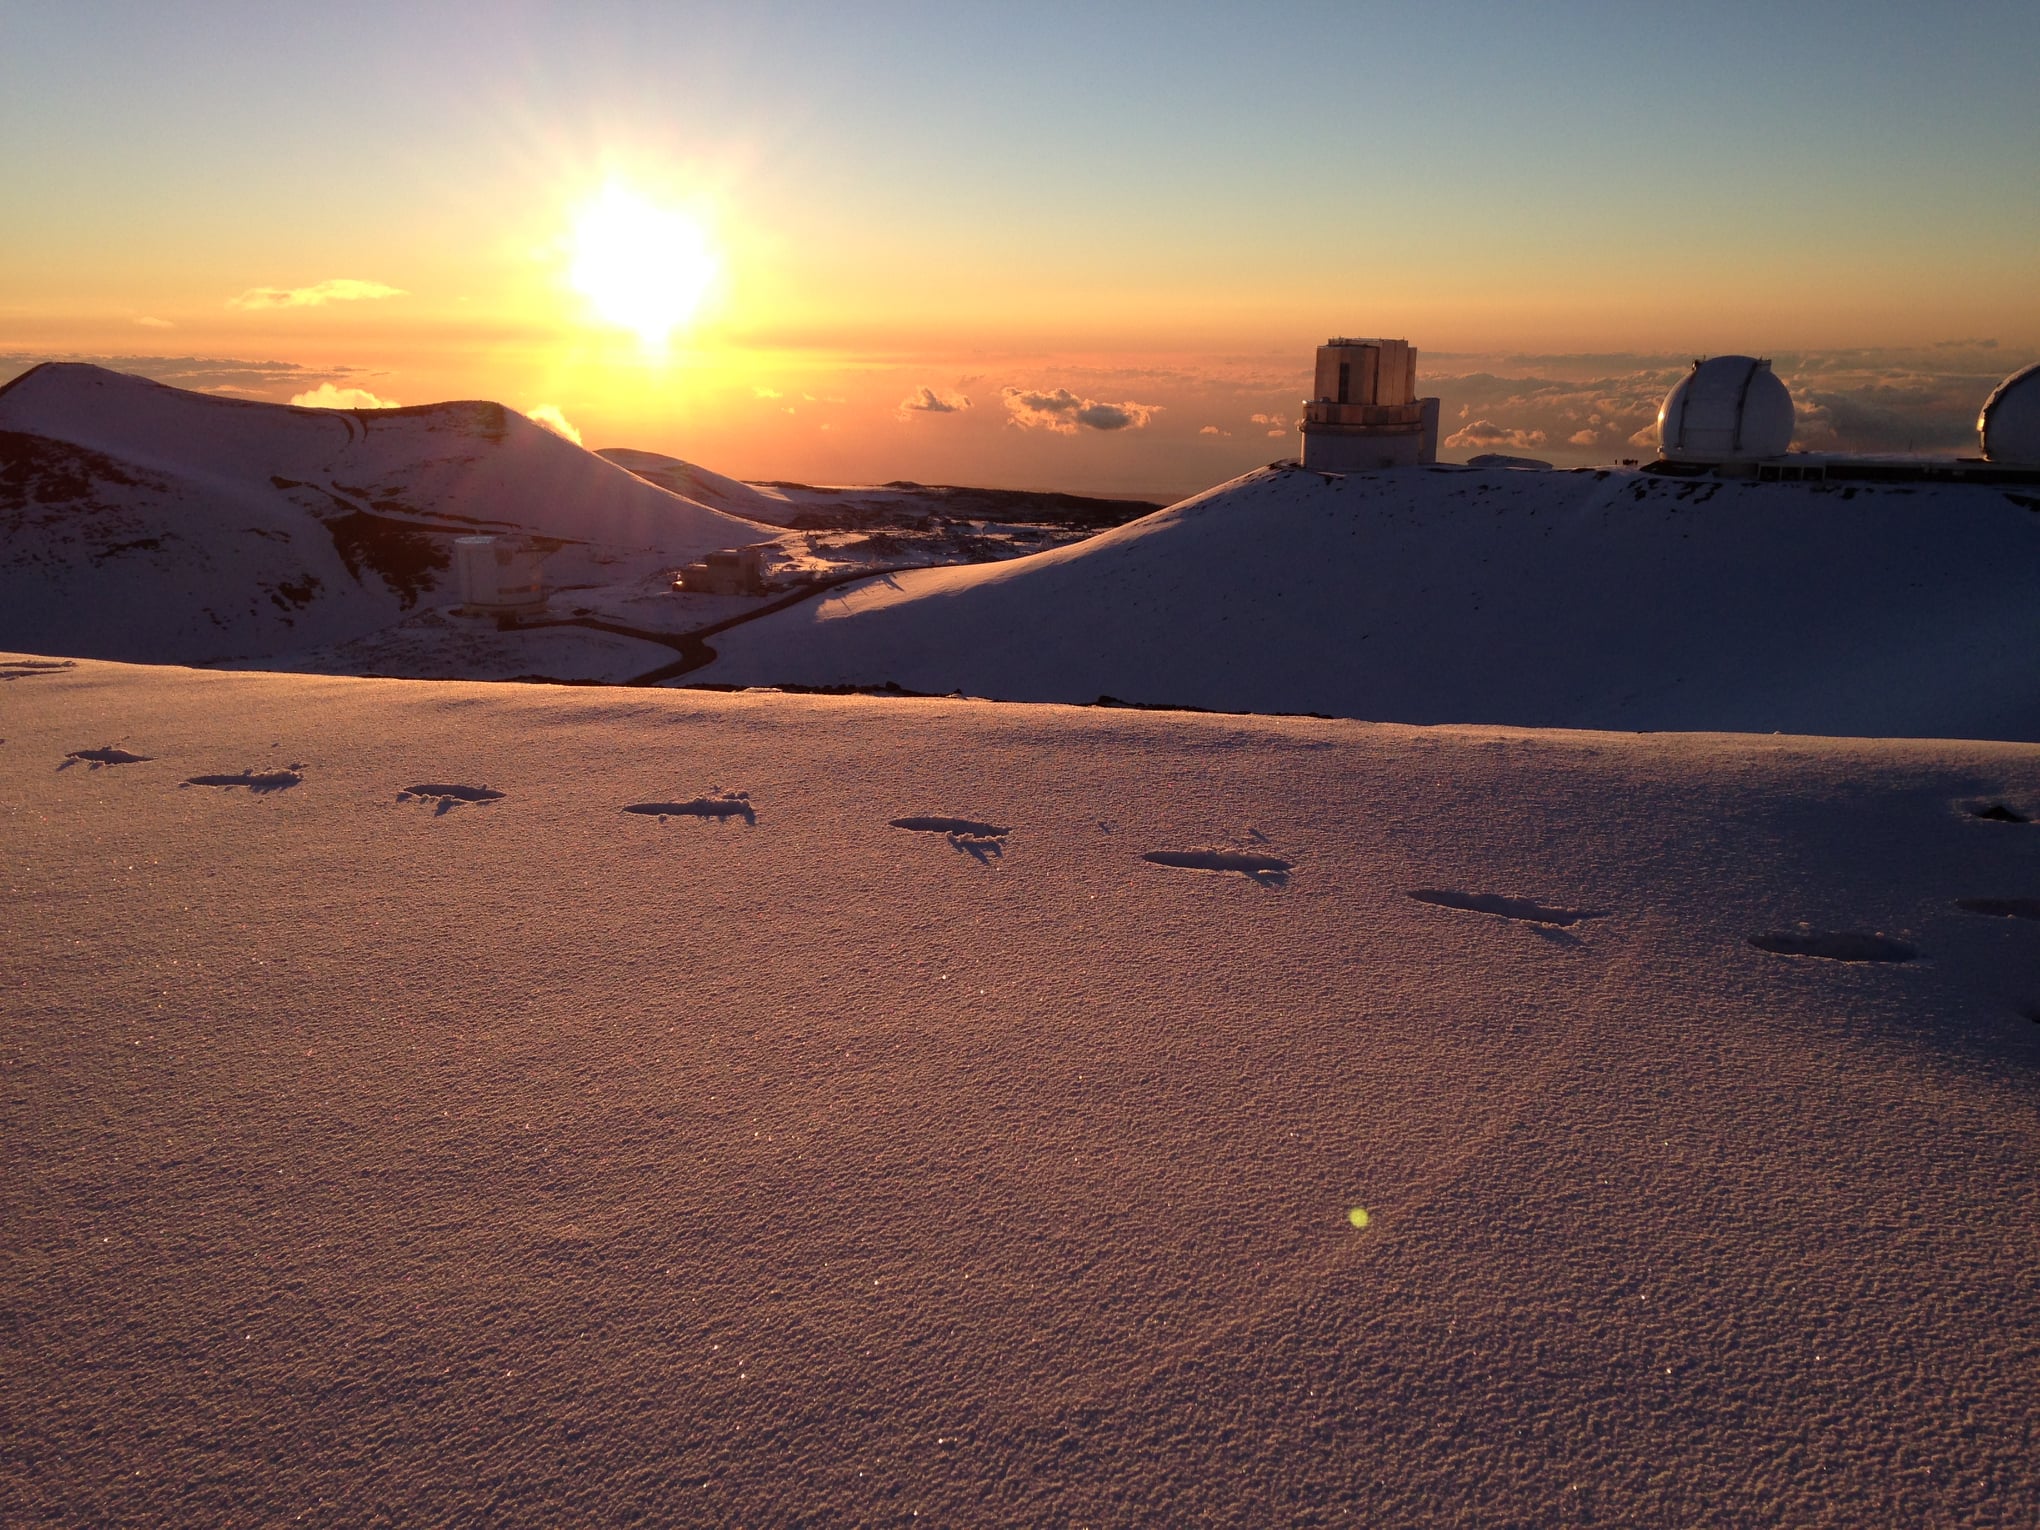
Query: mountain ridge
x=148 y=522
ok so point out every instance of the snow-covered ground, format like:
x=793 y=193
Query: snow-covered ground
x=379 y=1149
x=1605 y=599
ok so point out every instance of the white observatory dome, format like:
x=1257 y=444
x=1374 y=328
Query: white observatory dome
x=1727 y=409
x=2010 y=422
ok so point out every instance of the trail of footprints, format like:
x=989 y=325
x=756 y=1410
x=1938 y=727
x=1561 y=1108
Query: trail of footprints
x=985 y=842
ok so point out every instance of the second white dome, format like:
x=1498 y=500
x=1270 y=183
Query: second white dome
x=2010 y=422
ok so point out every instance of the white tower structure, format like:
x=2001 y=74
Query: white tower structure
x=497 y=575
x=2010 y=422
x=1364 y=412
x=1727 y=409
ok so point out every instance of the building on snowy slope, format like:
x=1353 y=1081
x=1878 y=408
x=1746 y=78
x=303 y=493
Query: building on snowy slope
x=736 y=571
x=1364 y=412
x=498 y=576
x=1732 y=417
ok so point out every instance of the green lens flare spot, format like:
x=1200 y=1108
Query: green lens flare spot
x=1358 y=1216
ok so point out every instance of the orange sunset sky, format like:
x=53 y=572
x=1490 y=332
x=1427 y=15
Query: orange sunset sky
x=1048 y=246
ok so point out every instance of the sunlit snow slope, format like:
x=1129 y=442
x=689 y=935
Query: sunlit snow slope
x=701 y=485
x=145 y=522
x=455 y=1104
x=1591 y=599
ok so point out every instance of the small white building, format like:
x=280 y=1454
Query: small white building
x=497 y=576
x=1364 y=412
x=736 y=571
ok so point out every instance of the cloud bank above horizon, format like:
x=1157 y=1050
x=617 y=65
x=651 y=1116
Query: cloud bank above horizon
x=338 y=290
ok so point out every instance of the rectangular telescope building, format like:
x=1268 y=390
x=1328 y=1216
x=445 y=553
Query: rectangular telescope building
x=1364 y=412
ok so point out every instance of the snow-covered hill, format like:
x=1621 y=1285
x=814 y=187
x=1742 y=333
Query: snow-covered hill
x=1588 y=599
x=703 y=486
x=145 y=522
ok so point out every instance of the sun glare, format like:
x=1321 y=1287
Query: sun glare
x=642 y=267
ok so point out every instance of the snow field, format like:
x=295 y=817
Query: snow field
x=458 y=1157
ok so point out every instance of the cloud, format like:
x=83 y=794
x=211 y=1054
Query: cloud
x=326 y=396
x=766 y=393
x=925 y=400
x=344 y=289
x=1486 y=433
x=1213 y=430
x=1063 y=411
x=550 y=417
x=1584 y=438
x=148 y=323
x=1280 y=421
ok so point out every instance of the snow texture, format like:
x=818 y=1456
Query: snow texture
x=1607 y=599
x=529 y=1165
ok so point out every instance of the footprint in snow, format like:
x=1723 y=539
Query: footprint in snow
x=982 y=842
x=99 y=759
x=29 y=669
x=1834 y=945
x=1268 y=870
x=2001 y=908
x=1523 y=909
x=1996 y=812
x=445 y=798
x=720 y=806
x=255 y=780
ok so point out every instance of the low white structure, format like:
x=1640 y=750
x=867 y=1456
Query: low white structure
x=2010 y=422
x=1364 y=412
x=1727 y=409
x=497 y=576
x=736 y=571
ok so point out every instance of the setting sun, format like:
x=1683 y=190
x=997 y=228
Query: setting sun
x=643 y=267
